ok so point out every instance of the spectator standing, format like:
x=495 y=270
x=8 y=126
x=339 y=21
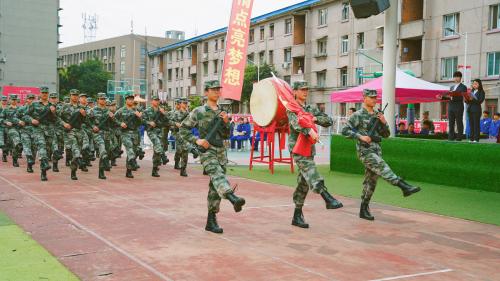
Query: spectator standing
x=494 y=128
x=474 y=109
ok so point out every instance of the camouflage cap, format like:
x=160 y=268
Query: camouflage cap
x=53 y=95
x=108 y=102
x=90 y=100
x=66 y=99
x=101 y=95
x=113 y=102
x=370 y=93
x=178 y=101
x=83 y=95
x=74 y=92
x=13 y=97
x=44 y=89
x=30 y=96
x=184 y=100
x=297 y=85
x=4 y=98
x=155 y=97
x=212 y=84
x=129 y=95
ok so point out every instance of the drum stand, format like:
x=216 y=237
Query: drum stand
x=270 y=159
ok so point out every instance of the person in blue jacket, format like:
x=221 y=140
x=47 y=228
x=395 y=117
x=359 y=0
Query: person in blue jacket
x=485 y=123
x=494 y=127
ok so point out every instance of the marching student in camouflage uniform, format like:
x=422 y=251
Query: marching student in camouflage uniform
x=370 y=152
x=165 y=129
x=88 y=150
x=308 y=176
x=3 y=135
x=26 y=132
x=72 y=116
x=129 y=119
x=156 y=119
x=13 y=124
x=51 y=134
x=59 y=138
x=181 y=147
x=101 y=119
x=214 y=159
x=115 y=137
x=175 y=131
x=39 y=114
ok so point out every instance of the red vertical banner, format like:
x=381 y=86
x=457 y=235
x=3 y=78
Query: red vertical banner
x=235 y=58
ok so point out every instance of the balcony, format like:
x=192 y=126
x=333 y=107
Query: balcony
x=296 y=77
x=193 y=91
x=411 y=29
x=298 y=50
x=414 y=66
x=192 y=69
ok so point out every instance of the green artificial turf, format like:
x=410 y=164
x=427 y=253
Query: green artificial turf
x=23 y=259
x=460 y=164
x=470 y=204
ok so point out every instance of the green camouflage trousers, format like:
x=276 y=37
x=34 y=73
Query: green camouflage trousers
x=102 y=141
x=38 y=139
x=155 y=135
x=2 y=137
x=76 y=140
x=375 y=167
x=15 y=140
x=26 y=140
x=131 y=141
x=214 y=162
x=50 y=138
x=181 y=151
x=307 y=178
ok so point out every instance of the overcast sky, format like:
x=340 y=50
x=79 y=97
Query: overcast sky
x=155 y=16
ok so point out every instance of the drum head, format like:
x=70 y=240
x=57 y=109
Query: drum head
x=263 y=102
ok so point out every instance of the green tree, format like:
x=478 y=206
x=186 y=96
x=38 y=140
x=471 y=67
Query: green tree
x=251 y=77
x=88 y=77
x=195 y=101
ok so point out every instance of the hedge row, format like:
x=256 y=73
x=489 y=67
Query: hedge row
x=461 y=164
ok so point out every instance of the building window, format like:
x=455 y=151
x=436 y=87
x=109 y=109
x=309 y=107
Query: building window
x=361 y=40
x=216 y=66
x=177 y=73
x=205 y=48
x=288 y=55
x=271 y=57
x=491 y=105
x=122 y=68
x=344 y=44
x=322 y=44
x=262 y=33
x=448 y=67
x=170 y=57
x=205 y=69
x=222 y=45
x=321 y=79
x=287 y=78
x=494 y=16
x=380 y=36
x=262 y=57
x=343 y=77
x=189 y=52
x=343 y=109
x=123 y=51
x=450 y=24
x=288 y=26
x=216 y=45
x=345 y=11
x=493 y=64
x=322 y=17
x=169 y=75
x=251 y=36
x=359 y=75
x=271 y=31
x=182 y=92
x=182 y=74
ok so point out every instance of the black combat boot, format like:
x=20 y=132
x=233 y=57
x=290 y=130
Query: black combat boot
x=164 y=159
x=29 y=168
x=44 y=165
x=113 y=163
x=73 y=174
x=43 y=175
x=107 y=165
x=14 y=161
x=237 y=202
x=183 y=172
x=101 y=174
x=30 y=160
x=55 y=168
x=298 y=218
x=212 y=225
x=364 y=212
x=68 y=157
x=4 y=157
x=141 y=154
x=331 y=202
x=129 y=174
x=57 y=155
x=154 y=173
x=407 y=188
x=176 y=165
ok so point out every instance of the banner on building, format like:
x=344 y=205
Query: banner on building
x=235 y=58
x=20 y=91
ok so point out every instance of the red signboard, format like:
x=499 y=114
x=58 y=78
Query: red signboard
x=21 y=92
x=235 y=58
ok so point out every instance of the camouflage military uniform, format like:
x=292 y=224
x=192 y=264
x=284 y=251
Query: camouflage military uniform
x=371 y=155
x=181 y=148
x=10 y=117
x=100 y=119
x=308 y=176
x=2 y=135
x=26 y=132
x=129 y=136
x=160 y=119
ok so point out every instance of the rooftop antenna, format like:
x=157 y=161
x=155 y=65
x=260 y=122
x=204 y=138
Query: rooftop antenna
x=89 y=27
x=132 y=26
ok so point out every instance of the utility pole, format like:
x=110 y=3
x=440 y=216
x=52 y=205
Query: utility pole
x=390 y=50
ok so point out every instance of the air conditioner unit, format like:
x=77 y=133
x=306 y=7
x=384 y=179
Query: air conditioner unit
x=205 y=56
x=286 y=65
x=3 y=60
x=104 y=57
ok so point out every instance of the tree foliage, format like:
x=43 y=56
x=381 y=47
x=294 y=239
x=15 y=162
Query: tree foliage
x=251 y=77
x=89 y=77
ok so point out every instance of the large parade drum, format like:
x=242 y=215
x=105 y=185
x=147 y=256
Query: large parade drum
x=265 y=104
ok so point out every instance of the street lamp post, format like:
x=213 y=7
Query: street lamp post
x=465 y=36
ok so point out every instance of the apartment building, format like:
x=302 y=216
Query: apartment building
x=124 y=56
x=29 y=35
x=320 y=41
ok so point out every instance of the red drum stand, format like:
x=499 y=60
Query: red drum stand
x=270 y=158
